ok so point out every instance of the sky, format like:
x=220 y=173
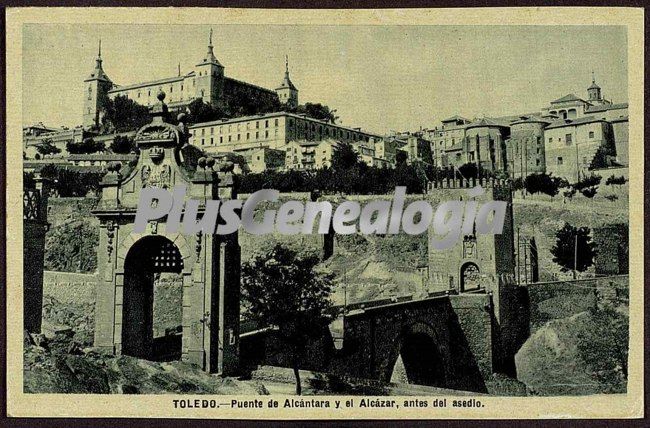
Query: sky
x=379 y=78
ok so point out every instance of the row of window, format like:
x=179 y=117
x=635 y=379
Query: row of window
x=238 y=137
x=568 y=138
x=221 y=128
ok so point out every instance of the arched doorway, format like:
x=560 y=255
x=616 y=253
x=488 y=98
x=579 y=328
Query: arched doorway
x=419 y=362
x=470 y=278
x=151 y=264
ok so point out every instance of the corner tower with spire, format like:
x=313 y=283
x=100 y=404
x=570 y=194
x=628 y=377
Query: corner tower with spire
x=287 y=92
x=210 y=77
x=96 y=87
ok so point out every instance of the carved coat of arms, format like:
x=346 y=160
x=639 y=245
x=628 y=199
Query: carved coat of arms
x=156 y=176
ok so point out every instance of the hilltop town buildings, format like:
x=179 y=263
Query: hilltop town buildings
x=567 y=138
x=207 y=81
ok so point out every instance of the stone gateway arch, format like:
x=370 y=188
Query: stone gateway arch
x=207 y=266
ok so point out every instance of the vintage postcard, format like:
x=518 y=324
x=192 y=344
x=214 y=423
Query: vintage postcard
x=332 y=214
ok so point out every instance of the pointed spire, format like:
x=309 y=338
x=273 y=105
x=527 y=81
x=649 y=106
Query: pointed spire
x=593 y=78
x=98 y=72
x=286 y=82
x=179 y=69
x=210 y=58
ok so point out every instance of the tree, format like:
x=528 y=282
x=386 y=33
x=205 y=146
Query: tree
x=544 y=183
x=283 y=290
x=588 y=181
x=87 y=146
x=401 y=157
x=122 y=114
x=122 y=144
x=317 y=111
x=69 y=183
x=572 y=242
x=242 y=102
x=344 y=156
x=47 y=148
x=198 y=111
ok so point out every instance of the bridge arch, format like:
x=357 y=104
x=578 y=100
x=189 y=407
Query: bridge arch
x=419 y=359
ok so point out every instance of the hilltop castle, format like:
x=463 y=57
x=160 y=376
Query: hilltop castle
x=207 y=81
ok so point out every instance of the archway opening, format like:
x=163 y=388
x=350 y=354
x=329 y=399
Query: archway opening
x=419 y=362
x=470 y=277
x=152 y=300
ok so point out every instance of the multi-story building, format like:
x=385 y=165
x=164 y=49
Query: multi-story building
x=270 y=130
x=573 y=146
x=418 y=150
x=518 y=144
x=525 y=148
x=265 y=159
x=485 y=144
x=304 y=155
x=206 y=81
x=446 y=141
x=387 y=148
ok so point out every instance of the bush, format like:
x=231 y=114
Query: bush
x=47 y=148
x=589 y=192
x=569 y=193
x=589 y=181
x=611 y=198
x=87 y=146
x=122 y=144
x=359 y=179
x=615 y=181
x=544 y=183
x=67 y=183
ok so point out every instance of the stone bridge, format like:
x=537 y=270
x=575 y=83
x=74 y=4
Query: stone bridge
x=468 y=324
x=446 y=340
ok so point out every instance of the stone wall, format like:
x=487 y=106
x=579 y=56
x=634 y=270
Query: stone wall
x=561 y=299
x=67 y=287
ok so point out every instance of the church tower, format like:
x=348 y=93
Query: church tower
x=594 y=91
x=96 y=87
x=210 y=78
x=287 y=92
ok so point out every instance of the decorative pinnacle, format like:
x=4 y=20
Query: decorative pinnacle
x=210 y=43
x=593 y=79
x=286 y=63
x=99 y=54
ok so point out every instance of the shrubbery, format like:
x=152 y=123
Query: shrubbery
x=123 y=145
x=87 y=146
x=67 y=183
x=359 y=179
x=615 y=181
x=544 y=183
